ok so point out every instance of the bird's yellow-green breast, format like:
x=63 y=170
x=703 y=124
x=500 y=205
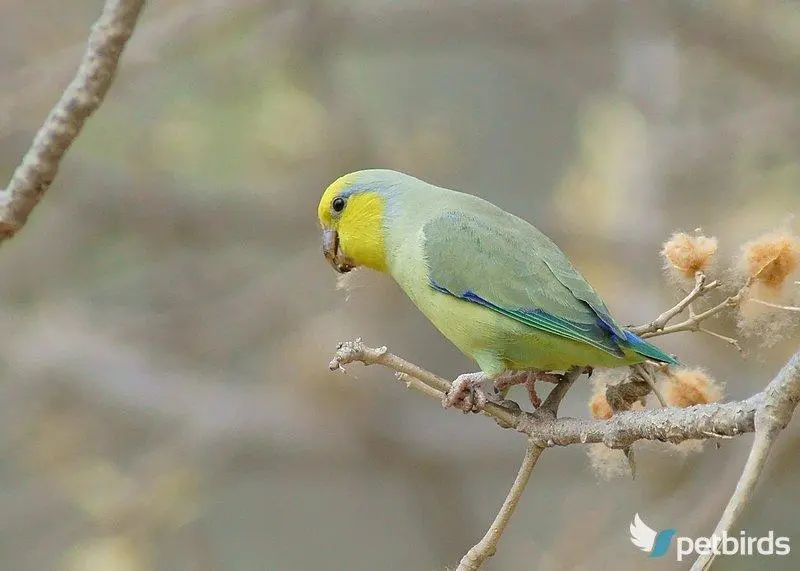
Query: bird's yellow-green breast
x=495 y=286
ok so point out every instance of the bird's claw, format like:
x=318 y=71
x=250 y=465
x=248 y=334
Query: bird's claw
x=466 y=393
x=528 y=379
x=530 y=386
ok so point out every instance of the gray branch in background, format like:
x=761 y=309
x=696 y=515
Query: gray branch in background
x=83 y=96
x=30 y=83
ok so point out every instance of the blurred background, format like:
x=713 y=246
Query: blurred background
x=168 y=318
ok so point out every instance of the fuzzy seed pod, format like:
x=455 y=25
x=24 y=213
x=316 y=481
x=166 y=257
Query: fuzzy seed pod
x=771 y=258
x=687 y=387
x=685 y=255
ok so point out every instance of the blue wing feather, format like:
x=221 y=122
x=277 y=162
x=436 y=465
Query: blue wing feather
x=600 y=335
x=593 y=335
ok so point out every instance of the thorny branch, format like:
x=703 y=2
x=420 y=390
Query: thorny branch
x=82 y=97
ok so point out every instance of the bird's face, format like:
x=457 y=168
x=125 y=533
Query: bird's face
x=352 y=220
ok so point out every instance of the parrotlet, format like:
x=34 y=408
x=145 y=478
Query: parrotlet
x=495 y=286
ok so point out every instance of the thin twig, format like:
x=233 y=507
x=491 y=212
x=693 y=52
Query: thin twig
x=700 y=289
x=660 y=325
x=350 y=351
x=417 y=385
x=775 y=305
x=646 y=375
x=729 y=340
x=772 y=416
x=694 y=321
x=82 y=97
x=487 y=546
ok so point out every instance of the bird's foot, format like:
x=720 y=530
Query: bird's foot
x=507 y=380
x=530 y=386
x=545 y=377
x=528 y=379
x=466 y=393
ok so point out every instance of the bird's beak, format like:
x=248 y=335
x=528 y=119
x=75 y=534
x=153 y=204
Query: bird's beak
x=330 y=247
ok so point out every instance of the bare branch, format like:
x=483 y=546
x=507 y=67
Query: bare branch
x=659 y=326
x=699 y=290
x=729 y=340
x=699 y=422
x=692 y=323
x=666 y=424
x=434 y=386
x=775 y=305
x=351 y=351
x=779 y=401
x=82 y=97
x=27 y=85
x=767 y=413
x=647 y=373
x=557 y=394
x=487 y=546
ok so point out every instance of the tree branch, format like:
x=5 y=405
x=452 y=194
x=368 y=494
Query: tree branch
x=415 y=377
x=700 y=289
x=659 y=327
x=487 y=546
x=154 y=38
x=82 y=97
x=791 y=308
x=773 y=415
x=699 y=422
x=767 y=413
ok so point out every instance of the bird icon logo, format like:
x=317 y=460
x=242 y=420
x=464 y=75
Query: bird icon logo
x=647 y=539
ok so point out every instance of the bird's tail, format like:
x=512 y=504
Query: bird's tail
x=642 y=347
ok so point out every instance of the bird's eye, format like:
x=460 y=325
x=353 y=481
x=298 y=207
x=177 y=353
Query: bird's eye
x=338 y=204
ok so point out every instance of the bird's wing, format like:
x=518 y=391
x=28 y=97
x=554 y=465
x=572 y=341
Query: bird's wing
x=500 y=261
x=642 y=536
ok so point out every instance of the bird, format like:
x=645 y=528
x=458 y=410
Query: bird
x=495 y=286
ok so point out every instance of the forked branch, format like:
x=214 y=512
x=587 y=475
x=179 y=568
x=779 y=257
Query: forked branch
x=766 y=413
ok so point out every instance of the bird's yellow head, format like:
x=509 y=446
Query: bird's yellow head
x=351 y=212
